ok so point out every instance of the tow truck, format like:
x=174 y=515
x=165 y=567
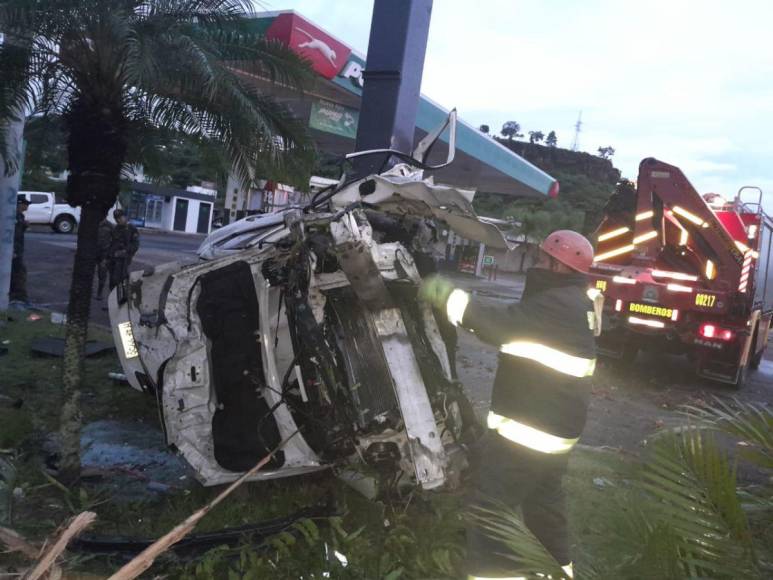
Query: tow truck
x=685 y=273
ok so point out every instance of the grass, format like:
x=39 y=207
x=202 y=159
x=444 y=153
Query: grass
x=27 y=430
x=419 y=538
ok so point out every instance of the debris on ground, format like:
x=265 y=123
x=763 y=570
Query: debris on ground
x=58 y=318
x=54 y=346
x=145 y=560
x=132 y=458
x=45 y=558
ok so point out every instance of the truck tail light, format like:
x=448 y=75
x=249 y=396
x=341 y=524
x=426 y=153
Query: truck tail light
x=712 y=331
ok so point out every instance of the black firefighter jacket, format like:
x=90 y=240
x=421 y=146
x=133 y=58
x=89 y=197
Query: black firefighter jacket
x=540 y=387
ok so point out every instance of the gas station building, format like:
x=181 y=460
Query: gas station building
x=331 y=108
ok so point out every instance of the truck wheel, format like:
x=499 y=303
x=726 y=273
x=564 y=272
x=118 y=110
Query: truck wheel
x=64 y=224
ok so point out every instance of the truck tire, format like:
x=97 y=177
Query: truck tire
x=64 y=224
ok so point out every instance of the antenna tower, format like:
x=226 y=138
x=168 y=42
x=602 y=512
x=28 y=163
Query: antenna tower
x=577 y=129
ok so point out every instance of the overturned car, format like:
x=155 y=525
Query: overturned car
x=316 y=328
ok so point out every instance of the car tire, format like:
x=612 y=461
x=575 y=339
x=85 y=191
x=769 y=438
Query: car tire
x=64 y=224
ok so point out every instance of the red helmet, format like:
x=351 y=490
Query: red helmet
x=569 y=248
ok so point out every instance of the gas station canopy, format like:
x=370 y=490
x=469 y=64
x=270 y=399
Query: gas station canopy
x=332 y=106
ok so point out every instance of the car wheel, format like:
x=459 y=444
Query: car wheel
x=64 y=224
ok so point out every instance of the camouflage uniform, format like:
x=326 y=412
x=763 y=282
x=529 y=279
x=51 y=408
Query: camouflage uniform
x=124 y=243
x=18 y=290
x=104 y=237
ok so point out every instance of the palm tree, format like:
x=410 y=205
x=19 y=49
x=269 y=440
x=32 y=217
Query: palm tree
x=118 y=69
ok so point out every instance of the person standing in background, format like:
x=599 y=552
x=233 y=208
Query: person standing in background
x=124 y=243
x=18 y=290
x=104 y=238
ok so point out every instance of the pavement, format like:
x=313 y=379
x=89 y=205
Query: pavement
x=49 y=257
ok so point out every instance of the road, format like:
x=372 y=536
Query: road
x=49 y=258
x=627 y=405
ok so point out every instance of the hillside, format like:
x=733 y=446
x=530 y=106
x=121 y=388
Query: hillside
x=586 y=183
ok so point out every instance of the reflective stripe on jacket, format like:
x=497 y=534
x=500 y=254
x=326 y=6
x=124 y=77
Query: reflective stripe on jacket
x=547 y=355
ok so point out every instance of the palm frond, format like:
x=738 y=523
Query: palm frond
x=694 y=488
x=528 y=554
x=751 y=423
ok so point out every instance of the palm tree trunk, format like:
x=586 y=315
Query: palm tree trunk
x=96 y=151
x=75 y=341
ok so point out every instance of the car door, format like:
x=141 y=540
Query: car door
x=39 y=211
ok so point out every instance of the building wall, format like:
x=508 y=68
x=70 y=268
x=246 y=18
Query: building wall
x=192 y=222
x=522 y=255
x=191 y=217
x=167 y=220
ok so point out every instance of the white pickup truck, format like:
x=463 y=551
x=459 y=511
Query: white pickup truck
x=44 y=210
x=62 y=217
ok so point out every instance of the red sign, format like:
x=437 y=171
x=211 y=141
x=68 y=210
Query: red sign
x=327 y=55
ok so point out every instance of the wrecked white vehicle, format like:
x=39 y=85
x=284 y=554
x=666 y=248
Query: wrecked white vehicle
x=317 y=328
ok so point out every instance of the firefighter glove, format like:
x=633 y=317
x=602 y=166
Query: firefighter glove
x=435 y=290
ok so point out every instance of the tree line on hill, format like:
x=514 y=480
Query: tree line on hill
x=512 y=130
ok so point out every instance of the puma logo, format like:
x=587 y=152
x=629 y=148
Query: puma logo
x=317 y=44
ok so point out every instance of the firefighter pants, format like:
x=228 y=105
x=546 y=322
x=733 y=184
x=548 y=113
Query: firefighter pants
x=520 y=479
x=18 y=290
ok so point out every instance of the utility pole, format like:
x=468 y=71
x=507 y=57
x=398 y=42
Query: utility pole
x=577 y=129
x=392 y=79
x=9 y=189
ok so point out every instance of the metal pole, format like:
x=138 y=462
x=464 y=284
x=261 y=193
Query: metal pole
x=479 y=262
x=9 y=189
x=392 y=79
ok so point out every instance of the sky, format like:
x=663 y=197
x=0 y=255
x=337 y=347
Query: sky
x=688 y=82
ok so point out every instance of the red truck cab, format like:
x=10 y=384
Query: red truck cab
x=685 y=274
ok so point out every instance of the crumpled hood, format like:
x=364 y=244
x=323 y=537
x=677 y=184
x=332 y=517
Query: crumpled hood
x=402 y=194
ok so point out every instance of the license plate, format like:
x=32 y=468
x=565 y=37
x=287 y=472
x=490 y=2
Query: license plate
x=127 y=340
x=650 y=310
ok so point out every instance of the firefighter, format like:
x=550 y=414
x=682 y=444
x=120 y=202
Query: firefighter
x=540 y=397
x=104 y=238
x=124 y=243
x=18 y=290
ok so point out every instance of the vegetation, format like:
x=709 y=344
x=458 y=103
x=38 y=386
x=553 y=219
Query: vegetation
x=116 y=70
x=511 y=130
x=551 y=140
x=685 y=517
x=606 y=152
x=536 y=136
x=579 y=207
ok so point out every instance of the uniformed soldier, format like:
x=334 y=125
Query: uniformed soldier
x=18 y=290
x=104 y=238
x=124 y=243
x=540 y=397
